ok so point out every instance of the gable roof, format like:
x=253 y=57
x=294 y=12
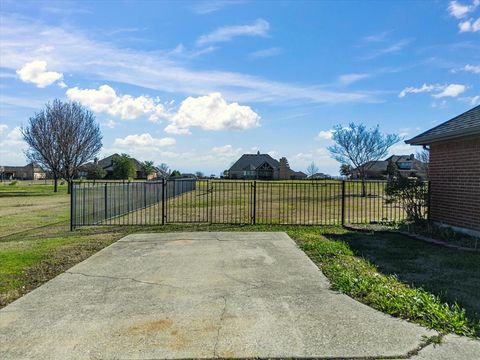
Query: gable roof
x=33 y=166
x=253 y=161
x=381 y=165
x=107 y=163
x=464 y=124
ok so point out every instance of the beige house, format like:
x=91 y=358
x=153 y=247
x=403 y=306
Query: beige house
x=28 y=172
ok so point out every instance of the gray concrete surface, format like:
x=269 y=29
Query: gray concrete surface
x=452 y=348
x=198 y=295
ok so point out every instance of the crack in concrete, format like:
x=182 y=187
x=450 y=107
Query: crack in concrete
x=434 y=340
x=222 y=316
x=126 y=278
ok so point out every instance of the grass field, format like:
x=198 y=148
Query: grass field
x=406 y=278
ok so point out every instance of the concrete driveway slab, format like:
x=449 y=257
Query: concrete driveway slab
x=452 y=347
x=198 y=295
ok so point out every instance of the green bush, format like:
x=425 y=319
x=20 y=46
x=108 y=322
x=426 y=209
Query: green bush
x=13 y=183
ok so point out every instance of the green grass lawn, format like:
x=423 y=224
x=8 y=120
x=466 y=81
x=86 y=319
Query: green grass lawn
x=403 y=277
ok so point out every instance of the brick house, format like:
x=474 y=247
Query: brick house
x=107 y=165
x=263 y=167
x=406 y=165
x=454 y=171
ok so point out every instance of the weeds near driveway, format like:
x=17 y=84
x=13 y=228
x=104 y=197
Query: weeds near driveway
x=362 y=280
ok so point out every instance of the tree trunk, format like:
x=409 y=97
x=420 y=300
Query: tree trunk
x=364 y=187
x=55 y=183
x=69 y=187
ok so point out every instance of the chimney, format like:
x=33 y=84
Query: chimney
x=95 y=161
x=258 y=152
x=412 y=156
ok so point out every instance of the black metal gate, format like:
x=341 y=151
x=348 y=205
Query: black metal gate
x=231 y=202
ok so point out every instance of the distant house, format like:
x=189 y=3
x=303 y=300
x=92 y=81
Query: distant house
x=107 y=165
x=30 y=171
x=454 y=171
x=405 y=165
x=263 y=167
x=319 y=176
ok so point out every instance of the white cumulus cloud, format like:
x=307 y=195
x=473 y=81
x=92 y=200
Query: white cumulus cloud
x=325 y=135
x=472 y=68
x=35 y=72
x=3 y=127
x=212 y=112
x=105 y=100
x=227 y=33
x=452 y=90
x=459 y=10
x=470 y=25
x=472 y=100
x=143 y=141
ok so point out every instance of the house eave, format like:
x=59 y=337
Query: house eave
x=427 y=140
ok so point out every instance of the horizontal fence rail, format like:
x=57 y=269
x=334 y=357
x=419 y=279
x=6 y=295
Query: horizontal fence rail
x=316 y=202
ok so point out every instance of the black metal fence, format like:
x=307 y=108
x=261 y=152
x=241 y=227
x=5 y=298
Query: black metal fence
x=232 y=202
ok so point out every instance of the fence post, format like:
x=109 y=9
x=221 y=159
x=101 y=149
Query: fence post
x=429 y=201
x=254 y=215
x=164 y=192
x=144 y=194
x=343 y=202
x=71 y=208
x=106 y=202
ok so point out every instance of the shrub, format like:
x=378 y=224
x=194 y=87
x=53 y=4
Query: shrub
x=411 y=194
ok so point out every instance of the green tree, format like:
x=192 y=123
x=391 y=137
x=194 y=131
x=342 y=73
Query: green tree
x=346 y=170
x=148 y=168
x=123 y=167
x=360 y=147
x=175 y=173
x=391 y=169
x=94 y=171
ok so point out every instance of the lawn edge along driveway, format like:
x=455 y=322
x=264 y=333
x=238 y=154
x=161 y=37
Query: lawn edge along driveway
x=199 y=295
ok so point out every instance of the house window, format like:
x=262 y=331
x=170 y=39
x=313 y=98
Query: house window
x=404 y=165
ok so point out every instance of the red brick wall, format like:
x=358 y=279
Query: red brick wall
x=455 y=182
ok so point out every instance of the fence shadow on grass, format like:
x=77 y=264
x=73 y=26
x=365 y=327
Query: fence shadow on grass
x=450 y=274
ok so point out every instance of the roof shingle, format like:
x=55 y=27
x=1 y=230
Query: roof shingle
x=464 y=124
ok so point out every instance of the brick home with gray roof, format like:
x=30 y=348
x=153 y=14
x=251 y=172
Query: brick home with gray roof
x=263 y=167
x=454 y=171
x=406 y=165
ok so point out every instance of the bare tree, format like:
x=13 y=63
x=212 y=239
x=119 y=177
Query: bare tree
x=41 y=136
x=360 y=147
x=424 y=157
x=164 y=171
x=62 y=137
x=312 y=169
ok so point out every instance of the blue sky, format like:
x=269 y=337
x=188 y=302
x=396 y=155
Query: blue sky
x=196 y=84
